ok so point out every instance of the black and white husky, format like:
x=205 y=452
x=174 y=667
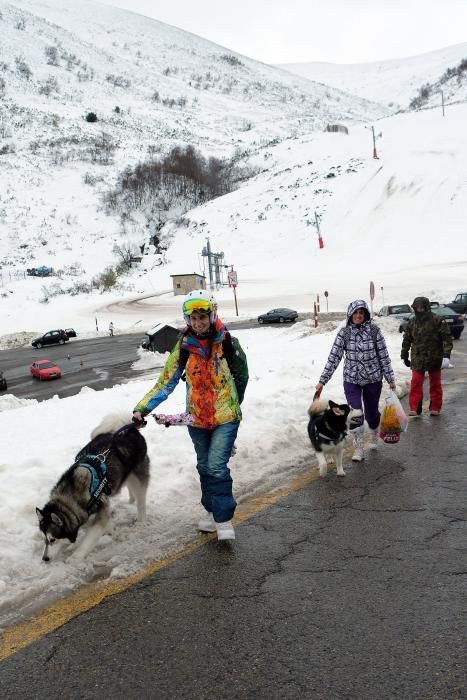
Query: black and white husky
x=115 y=456
x=327 y=429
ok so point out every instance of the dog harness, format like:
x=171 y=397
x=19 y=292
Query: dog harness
x=99 y=485
x=333 y=437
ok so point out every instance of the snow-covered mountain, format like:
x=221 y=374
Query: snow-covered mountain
x=380 y=219
x=396 y=82
x=151 y=86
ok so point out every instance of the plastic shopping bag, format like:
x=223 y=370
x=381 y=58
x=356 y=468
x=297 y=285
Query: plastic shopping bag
x=393 y=420
x=393 y=400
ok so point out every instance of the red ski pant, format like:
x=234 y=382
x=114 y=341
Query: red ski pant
x=416 y=390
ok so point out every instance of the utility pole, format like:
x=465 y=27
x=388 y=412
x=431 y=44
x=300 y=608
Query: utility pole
x=318 y=230
x=442 y=101
x=375 y=154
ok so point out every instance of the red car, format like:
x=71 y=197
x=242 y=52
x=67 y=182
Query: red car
x=45 y=369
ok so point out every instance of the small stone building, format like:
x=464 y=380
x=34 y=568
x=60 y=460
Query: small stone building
x=340 y=128
x=182 y=284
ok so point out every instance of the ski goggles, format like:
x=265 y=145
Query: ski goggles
x=192 y=305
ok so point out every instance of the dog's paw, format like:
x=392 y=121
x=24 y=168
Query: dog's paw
x=323 y=471
x=75 y=558
x=341 y=473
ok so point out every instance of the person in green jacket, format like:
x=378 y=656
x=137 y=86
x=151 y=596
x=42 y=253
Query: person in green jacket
x=428 y=340
x=215 y=369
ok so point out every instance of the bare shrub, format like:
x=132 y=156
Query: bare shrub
x=230 y=59
x=51 y=54
x=105 y=280
x=23 y=68
x=49 y=86
x=125 y=253
x=7 y=148
x=118 y=81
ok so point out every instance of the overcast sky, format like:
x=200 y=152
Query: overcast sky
x=338 y=31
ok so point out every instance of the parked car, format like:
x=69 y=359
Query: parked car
x=3 y=382
x=50 y=338
x=42 y=271
x=395 y=310
x=454 y=320
x=71 y=333
x=459 y=304
x=278 y=316
x=45 y=369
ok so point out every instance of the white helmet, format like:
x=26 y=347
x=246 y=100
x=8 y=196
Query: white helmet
x=200 y=300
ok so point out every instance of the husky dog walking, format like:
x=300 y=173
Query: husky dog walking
x=115 y=456
x=327 y=429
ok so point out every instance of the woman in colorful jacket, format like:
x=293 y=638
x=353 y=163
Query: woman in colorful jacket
x=366 y=363
x=216 y=373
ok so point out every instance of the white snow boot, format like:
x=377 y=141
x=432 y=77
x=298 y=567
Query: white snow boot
x=374 y=439
x=207 y=523
x=357 y=436
x=225 y=531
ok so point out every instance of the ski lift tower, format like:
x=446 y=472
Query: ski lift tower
x=215 y=265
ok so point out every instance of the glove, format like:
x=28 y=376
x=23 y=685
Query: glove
x=445 y=363
x=406 y=363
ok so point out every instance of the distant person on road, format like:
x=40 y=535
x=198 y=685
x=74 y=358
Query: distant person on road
x=111 y=329
x=428 y=340
x=216 y=373
x=366 y=362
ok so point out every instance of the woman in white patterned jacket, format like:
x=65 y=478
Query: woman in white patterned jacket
x=366 y=362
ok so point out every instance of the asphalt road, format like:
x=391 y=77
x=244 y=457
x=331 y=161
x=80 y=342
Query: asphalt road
x=345 y=589
x=99 y=363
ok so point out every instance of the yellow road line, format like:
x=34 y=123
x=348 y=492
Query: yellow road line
x=57 y=614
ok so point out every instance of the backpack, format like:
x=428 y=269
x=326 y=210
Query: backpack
x=236 y=361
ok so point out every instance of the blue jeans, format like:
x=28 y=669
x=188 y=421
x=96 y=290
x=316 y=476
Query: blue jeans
x=213 y=449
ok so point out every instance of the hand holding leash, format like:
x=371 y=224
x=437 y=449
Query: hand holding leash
x=138 y=420
x=318 y=389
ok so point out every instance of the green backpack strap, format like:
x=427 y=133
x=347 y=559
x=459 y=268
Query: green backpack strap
x=237 y=362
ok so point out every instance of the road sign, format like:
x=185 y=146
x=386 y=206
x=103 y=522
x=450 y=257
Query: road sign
x=232 y=278
x=326 y=294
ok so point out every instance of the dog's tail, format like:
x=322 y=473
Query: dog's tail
x=317 y=407
x=111 y=423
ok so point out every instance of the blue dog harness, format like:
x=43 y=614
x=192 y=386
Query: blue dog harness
x=99 y=485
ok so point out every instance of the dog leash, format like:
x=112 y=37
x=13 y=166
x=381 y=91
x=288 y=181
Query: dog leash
x=317 y=393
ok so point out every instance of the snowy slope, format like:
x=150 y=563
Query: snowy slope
x=380 y=219
x=61 y=60
x=395 y=82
